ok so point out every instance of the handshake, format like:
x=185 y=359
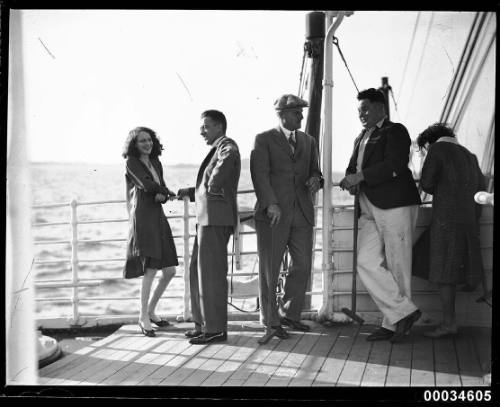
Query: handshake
x=182 y=193
x=162 y=198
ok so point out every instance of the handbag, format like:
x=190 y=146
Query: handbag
x=133 y=267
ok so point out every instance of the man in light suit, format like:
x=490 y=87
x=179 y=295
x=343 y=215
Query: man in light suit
x=285 y=174
x=216 y=213
x=388 y=198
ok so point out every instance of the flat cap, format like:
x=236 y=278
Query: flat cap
x=289 y=101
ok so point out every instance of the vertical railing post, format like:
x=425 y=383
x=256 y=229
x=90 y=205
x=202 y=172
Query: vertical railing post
x=187 y=291
x=74 y=260
x=237 y=244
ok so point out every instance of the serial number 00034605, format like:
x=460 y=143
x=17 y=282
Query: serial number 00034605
x=455 y=395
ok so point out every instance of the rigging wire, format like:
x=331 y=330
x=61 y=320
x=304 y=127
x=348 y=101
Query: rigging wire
x=408 y=56
x=431 y=21
x=336 y=42
x=301 y=78
x=463 y=64
x=473 y=84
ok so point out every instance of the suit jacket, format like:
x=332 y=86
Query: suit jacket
x=388 y=182
x=217 y=186
x=279 y=177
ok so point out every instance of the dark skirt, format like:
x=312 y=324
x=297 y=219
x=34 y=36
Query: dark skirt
x=136 y=266
x=449 y=254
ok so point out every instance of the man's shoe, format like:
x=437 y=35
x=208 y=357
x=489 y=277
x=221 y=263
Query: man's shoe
x=280 y=332
x=404 y=325
x=380 y=334
x=209 y=338
x=295 y=324
x=192 y=333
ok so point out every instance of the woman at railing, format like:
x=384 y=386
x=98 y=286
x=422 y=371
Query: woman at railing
x=150 y=245
x=452 y=175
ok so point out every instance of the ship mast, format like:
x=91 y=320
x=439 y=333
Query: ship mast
x=333 y=20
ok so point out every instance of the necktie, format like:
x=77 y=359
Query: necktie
x=292 y=142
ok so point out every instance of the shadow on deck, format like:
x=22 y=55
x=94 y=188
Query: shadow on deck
x=325 y=356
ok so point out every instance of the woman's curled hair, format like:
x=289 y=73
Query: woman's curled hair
x=130 y=148
x=433 y=133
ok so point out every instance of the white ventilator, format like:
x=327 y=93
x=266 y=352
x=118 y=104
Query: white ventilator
x=484 y=198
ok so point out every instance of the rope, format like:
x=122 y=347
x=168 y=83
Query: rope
x=336 y=42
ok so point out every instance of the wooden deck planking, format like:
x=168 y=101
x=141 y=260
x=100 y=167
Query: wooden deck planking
x=325 y=356
x=482 y=340
x=260 y=353
x=293 y=361
x=446 y=366
x=422 y=362
x=469 y=366
x=220 y=375
x=267 y=367
x=354 y=367
x=313 y=362
x=191 y=359
x=334 y=363
x=206 y=369
x=143 y=365
x=97 y=356
x=376 y=365
x=178 y=354
x=399 y=369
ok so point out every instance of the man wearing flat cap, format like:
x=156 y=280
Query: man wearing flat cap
x=285 y=175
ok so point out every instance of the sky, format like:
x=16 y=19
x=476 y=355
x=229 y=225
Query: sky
x=92 y=75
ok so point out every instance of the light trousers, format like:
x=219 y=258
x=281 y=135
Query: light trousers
x=385 y=242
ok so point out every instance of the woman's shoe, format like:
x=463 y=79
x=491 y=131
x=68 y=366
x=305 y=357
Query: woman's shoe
x=147 y=332
x=161 y=323
x=441 y=332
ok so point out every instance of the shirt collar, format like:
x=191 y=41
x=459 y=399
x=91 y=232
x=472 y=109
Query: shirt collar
x=448 y=140
x=218 y=141
x=286 y=132
x=381 y=122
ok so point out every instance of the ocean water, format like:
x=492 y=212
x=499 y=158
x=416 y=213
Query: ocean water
x=54 y=183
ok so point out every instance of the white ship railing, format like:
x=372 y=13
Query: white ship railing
x=76 y=282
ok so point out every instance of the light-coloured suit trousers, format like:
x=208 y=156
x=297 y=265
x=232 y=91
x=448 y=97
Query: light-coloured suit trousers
x=385 y=242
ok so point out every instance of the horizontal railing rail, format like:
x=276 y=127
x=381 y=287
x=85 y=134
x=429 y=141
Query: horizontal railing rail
x=77 y=282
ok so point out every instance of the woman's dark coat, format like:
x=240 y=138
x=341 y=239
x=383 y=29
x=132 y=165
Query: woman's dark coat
x=452 y=175
x=145 y=214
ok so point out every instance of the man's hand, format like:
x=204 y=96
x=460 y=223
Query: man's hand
x=181 y=193
x=160 y=198
x=171 y=195
x=354 y=190
x=351 y=180
x=313 y=184
x=274 y=212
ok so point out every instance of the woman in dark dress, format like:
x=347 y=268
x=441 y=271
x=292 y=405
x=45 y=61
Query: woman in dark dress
x=452 y=175
x=150 y=244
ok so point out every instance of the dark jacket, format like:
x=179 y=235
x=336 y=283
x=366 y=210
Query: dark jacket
x=144 y=213
x=452 y=175
x=279 y=177
x=216 y=188
x=388 y=182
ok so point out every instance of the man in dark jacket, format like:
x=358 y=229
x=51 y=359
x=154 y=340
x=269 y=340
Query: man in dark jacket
x=285 y=174
x=388 y=198
x=217 y=214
